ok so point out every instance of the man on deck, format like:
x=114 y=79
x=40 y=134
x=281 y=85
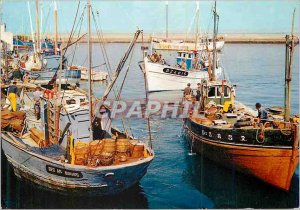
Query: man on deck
x=262 y=113
x=187 y=90
x=36 y=97
x=16 y=74
x=183 y=64
x=198 y=92
x=12 y=96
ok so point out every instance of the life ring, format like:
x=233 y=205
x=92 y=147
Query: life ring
x=71 y=107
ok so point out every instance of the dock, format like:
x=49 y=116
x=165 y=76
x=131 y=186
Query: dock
x=229 y=38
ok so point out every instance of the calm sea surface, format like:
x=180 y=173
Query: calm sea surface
x=176 y=179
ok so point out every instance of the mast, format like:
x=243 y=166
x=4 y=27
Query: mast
x=55 y=28
x=90 y=67
x=120 y=65
x=31 y=28
x=214 y=43
x=289 y=50
x=41 y=28
x=37 y=24
x=167 y=19
x=197 y=25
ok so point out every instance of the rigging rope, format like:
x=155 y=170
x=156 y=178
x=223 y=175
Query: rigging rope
x=79 y=31
x=69 y=41
x=104 y=53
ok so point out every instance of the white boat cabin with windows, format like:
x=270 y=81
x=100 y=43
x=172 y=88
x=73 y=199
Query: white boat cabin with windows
x=193 y=60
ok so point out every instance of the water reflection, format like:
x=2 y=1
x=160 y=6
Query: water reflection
x=230 y=189
x=22 y=194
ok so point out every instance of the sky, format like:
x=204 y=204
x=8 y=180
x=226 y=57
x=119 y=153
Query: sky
x=245 y=16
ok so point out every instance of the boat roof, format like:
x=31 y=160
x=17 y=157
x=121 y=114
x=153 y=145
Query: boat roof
x=186 y=51
x=218 y=82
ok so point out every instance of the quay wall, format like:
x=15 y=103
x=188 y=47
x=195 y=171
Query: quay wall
x=229 y=38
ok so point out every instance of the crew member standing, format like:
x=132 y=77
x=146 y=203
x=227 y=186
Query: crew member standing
x=262 y=113
x=198 y=92
x=16 y=74
x=37 y=106
x=187 y=90
x=12 y=96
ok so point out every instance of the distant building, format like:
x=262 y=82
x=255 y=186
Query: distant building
x=6 y=37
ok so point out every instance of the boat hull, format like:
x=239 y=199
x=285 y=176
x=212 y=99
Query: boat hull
x=43 y=77
x=68 y=179
x=99 y=76
x=163 y=77
x=272 y=164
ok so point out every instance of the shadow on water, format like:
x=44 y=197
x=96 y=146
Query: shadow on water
x=230 y=189
x=22 y=194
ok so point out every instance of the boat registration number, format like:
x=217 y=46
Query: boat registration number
x=176 y=72
x=63 y=172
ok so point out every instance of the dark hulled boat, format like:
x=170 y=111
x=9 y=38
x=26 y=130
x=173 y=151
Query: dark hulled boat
x=273 y=159
x=230 y=134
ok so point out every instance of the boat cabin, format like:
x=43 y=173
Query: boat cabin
x=189 y=57
x=219 y=92
x=74 y=116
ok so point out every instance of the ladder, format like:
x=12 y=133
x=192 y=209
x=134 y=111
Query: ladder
x=53 y=112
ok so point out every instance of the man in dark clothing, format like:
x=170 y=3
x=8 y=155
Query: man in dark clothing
x=198 y=92
x=262 y=113
x=13 y=88
x=187 y=90
x=16 y=74
x=12 y=96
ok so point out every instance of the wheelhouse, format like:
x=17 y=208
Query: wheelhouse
x=190 y=58
x=219 y=92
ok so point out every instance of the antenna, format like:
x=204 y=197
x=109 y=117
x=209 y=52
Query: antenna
x=167 y=19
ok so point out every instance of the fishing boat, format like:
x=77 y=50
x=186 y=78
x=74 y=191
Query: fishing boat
x=21 y=45
x=164 y=77
x=96 y=74
x=191 y=67
x=43 y=63
x=63 y=148
x=229 y=133
x=50 y=69
x=67 y=163
x=203 y=44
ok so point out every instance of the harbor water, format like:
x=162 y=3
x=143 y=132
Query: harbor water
x=178 y=178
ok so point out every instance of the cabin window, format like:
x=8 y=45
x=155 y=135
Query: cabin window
x=71 y=101
x=211 y=92
x=227 y=92
x=179 y=54
x=190 y=55
x=218 y=91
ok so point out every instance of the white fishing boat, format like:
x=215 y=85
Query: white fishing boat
x=95 y=75
x=161 y=76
